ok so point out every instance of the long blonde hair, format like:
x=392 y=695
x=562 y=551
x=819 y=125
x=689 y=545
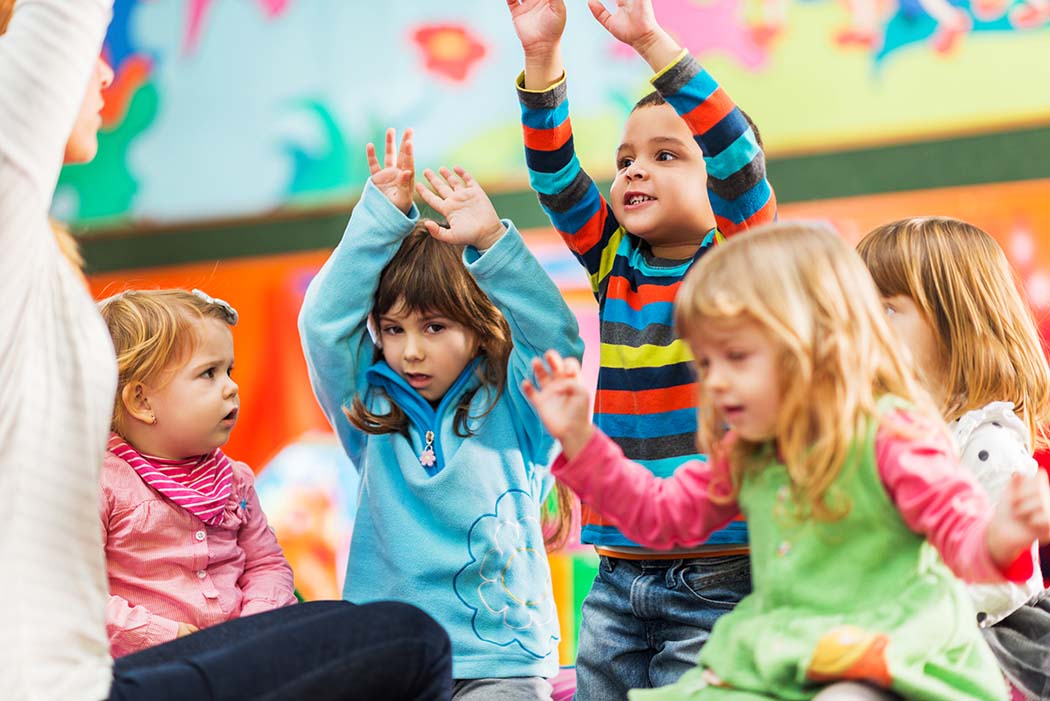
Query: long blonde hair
x=154 y=332
x=813 y=298
x=962 y=283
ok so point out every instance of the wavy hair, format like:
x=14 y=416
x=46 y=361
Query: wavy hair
x=963 y=285
x=153 y=332
x=812 y=297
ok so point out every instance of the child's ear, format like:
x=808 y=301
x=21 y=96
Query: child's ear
x=136 y=403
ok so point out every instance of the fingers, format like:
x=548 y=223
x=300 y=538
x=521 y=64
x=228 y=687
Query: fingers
x=441 y=187
x=433 y=201
x=373 y=162
x=600 y=13
x=437 y=231
x=540 y=371
x=388 y=153
x=405 y=156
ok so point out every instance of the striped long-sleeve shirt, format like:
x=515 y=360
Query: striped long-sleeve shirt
x=646 y=398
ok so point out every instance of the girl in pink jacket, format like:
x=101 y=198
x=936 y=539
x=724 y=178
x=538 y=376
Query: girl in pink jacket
x=187 y=543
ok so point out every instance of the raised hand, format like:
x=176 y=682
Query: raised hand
x=394 y=179
x=634 y=23
x=472 y=220
x=1021 y=516
x=561 y=401
x=538 y=23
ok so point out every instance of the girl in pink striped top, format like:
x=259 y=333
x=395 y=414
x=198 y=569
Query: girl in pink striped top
x=187 y=543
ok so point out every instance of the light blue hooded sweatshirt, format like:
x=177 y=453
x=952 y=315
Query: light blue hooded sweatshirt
x=460 y=539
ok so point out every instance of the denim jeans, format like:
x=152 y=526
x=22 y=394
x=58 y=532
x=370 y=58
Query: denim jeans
x=644 y=621
x=322 y=651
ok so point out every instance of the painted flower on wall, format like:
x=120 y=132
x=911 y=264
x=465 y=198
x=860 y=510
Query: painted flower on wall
x=450 y=51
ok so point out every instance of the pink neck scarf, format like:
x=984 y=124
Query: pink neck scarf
x=201 y=485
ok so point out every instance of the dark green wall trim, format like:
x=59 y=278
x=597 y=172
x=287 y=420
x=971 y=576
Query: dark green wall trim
x=1022 y=154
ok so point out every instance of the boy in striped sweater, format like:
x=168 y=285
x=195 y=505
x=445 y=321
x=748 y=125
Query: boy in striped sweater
x=690 y=170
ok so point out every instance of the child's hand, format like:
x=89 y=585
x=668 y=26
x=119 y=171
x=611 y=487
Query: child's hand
x=538 y=23
x=1021 y=516
x=634 y=23
x=472 y=219
x=185 y=629
x=394 y=180
x=561 y=400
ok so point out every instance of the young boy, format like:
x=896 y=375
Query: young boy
x=648 y=613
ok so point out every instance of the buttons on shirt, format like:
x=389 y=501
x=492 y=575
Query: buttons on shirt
x=200 y=535
x=201 y=574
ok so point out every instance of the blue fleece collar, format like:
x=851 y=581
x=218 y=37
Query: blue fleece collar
x=418 y=410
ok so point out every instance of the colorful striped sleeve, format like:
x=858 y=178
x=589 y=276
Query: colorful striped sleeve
x=567 y=194
x=740 y=194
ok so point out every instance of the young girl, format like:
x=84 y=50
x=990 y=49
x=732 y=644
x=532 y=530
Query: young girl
x=417 y=339
x=187 y=543
x=952 y=298
x=819 y=435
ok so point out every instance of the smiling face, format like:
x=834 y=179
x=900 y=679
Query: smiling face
x=427 y=349
x=738 y=368
x=82 y=144
x=660 y=190
x=196 y=409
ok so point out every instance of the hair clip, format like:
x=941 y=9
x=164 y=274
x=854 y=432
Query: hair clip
x=228 y=311
x=373 y=332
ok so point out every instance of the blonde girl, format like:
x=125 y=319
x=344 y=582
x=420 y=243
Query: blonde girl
x=821 y=437
x=187 y=543
x=953 y=299
x=417 y=338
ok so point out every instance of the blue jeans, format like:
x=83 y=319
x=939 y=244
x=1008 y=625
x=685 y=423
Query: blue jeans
x=322 y=651
x=644 y=621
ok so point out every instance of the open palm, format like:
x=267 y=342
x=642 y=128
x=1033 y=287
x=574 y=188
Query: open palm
x=632 y=21
x=472 y=220
x=559 y=396
x=396 y=176
x=538 y=23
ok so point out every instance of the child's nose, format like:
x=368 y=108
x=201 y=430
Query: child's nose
x=231 y=387
x=635 y=171
x=413 y=348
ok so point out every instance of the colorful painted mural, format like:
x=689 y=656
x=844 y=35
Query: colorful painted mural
x=247 y=107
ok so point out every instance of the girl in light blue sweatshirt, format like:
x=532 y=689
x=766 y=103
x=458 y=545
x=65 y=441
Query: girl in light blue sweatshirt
x=417 y=339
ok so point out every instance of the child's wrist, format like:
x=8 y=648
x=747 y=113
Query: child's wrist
x=657 y=48
x=573 y=444
x=489 y=239
x=543 y=68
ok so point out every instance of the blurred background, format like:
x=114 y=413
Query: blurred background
x=233 y=151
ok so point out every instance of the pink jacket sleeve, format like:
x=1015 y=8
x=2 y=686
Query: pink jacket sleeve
x=267 y=579
x=130 y=628
x=654 y=512
x=938 y=498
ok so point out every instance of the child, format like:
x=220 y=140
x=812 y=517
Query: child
x=187 y=543
x=818 y=430
x=690 y=170
x=419 y=372
x=952 y=298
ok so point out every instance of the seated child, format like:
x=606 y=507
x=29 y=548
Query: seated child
x=187 y=543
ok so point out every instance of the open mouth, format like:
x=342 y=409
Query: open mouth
x=732 y=412
x=635 y=199
x=232 y=416
x=417 y=379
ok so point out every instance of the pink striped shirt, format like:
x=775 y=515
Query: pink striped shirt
x=165 y=566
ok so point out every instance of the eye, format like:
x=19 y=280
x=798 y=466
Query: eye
x=702 y=365
x=665 y=156
x=435 y=327
x=624 y=162
x=737 y=355
x=209 y=373
x=391 y=330
x=229 y=371
x=890 y=310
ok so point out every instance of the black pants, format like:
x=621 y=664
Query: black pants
x=323 y=650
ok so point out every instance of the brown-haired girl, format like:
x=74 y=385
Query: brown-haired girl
x=953 y=299
x=417 y=338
